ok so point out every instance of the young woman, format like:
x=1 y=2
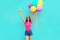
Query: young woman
x=28 y=23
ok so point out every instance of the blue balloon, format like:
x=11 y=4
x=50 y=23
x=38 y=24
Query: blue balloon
x=35 y=2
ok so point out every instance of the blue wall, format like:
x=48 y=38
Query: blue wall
x=46 y=27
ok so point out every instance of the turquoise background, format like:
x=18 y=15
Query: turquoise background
x=46 y=27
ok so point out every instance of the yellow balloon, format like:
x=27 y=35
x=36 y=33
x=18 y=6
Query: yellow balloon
x=40 y=3
x=33 y=9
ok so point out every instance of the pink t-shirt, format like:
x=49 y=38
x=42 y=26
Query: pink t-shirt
x=28 y=25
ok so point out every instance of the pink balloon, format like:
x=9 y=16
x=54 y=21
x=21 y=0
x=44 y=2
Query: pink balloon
x=39 y=8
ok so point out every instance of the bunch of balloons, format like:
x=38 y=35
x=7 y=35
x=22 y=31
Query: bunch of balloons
x=36 y=8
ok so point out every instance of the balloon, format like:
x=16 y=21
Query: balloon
x=39 y=8
x=40 y=3
x=29 y=5
x=34 y=2
x=33 y=9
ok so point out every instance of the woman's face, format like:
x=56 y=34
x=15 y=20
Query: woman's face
x=28 y=18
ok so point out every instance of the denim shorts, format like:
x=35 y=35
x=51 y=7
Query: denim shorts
x=28 y=33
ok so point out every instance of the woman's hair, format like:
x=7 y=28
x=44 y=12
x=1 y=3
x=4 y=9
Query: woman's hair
x=27 y=18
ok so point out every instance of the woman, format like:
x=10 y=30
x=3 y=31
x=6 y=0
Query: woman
x=28 y=23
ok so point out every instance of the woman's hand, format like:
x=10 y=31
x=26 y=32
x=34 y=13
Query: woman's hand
x=20 y=12
x=35 y=14
x=22 y=15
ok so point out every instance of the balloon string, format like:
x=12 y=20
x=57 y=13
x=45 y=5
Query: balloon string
x=36 y=21
x=37 y=24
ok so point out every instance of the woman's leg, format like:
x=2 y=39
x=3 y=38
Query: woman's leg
x=30 y=37
x=27 y=37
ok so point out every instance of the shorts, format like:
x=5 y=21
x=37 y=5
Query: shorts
x=28 y=33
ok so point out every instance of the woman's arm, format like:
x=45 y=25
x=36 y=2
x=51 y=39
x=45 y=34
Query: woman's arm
x=33 y=16
x=22 y=16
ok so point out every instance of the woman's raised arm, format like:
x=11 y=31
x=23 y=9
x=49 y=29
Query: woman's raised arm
x=33 y=16
x=22 y=15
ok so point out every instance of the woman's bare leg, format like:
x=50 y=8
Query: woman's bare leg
x=27 y=37
x=30 y=37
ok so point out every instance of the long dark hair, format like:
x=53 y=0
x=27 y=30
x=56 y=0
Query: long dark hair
x=27 y=19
